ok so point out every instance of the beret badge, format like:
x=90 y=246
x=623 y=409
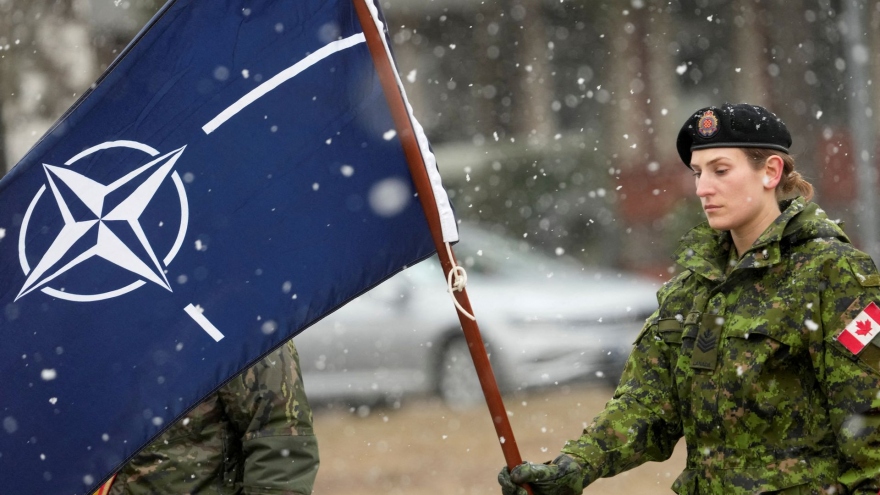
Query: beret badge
x=708 y=124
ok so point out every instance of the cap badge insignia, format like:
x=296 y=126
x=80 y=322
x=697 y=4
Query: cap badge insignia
x=708 y=124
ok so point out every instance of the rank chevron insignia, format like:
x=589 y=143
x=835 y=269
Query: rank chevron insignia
x=706 y=341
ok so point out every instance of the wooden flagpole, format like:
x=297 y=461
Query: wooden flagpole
x=406 y=133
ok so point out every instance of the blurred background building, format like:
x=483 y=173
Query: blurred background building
x=554 y=120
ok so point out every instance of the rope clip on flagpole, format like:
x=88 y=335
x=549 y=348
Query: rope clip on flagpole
x=459 y=283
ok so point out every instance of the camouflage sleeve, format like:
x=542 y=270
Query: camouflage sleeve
x=268 y=405
x=641 y=422
x=850 y=381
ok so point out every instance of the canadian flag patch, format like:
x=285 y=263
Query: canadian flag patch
x=861 y=330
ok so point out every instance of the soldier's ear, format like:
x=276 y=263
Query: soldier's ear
x=773 y=171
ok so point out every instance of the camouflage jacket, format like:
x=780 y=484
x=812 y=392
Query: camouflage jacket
x=741 y=359
x=253 y=436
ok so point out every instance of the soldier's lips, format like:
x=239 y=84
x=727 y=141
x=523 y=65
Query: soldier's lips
x=711 y=208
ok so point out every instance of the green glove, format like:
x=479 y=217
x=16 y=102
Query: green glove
x=563 y=476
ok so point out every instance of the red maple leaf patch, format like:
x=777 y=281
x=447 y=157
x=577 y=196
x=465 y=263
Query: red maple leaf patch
x=864 y=328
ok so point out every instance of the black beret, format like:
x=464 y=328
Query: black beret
x=732 y=126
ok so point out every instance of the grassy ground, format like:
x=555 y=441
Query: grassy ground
x=425 y=448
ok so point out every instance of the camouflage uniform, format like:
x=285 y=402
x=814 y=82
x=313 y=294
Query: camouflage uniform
x=741 y=359
x=254 y=436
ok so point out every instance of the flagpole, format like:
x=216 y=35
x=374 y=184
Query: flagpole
x=415 y=160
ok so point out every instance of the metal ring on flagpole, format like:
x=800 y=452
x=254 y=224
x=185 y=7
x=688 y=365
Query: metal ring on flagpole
x=459 y=284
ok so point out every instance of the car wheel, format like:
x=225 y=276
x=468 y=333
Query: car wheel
x=457 y=381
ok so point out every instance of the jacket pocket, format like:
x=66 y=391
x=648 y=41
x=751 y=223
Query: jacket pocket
x=765 y=382
x=757 y=348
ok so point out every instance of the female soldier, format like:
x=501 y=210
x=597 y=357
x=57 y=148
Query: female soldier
x=765 y=351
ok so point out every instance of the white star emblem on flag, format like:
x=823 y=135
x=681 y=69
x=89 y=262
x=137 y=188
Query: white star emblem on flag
x=108 y=245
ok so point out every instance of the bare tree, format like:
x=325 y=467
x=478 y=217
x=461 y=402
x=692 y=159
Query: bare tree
x=46 y=62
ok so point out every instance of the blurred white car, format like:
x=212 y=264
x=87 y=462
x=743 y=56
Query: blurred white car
x=544 y=320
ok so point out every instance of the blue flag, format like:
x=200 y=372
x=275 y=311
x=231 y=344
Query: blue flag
x=232 y=178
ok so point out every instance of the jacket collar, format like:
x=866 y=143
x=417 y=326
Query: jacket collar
x=705 y=251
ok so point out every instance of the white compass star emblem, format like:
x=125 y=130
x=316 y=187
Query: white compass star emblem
x=109 y=246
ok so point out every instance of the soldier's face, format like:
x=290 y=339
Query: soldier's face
x=734 y=195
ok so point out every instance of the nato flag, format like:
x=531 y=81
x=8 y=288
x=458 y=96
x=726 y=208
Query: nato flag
x=231 y=179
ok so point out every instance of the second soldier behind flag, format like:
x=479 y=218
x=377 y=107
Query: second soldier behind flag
x=763 y=353
x=253 y=436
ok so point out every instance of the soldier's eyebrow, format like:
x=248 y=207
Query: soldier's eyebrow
x=711 y=162
x=718 y=159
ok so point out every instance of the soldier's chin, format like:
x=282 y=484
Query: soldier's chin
x=718 y=224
